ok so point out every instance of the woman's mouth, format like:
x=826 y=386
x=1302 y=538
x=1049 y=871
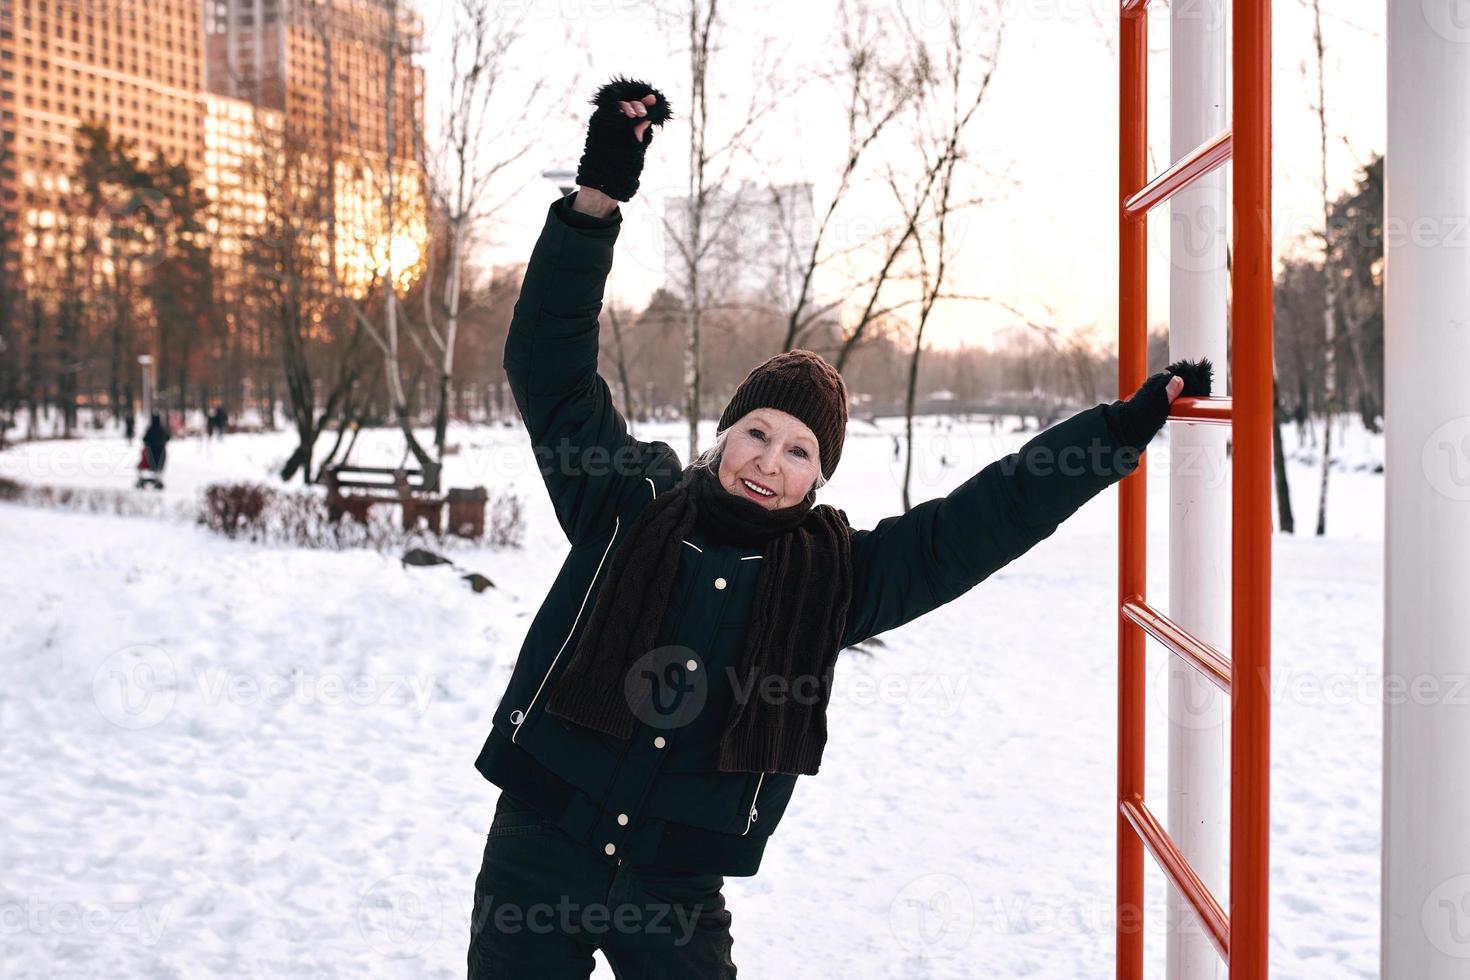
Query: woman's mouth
x=756 y=491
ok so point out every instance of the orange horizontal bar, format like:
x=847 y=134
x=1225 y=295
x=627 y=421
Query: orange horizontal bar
x=1217 y=411
x=1179 y=871
x=1206 y=157
x=1204 y=658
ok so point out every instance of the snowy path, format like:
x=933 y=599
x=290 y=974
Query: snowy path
x=296 y=796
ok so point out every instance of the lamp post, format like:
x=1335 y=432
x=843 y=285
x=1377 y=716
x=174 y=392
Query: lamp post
x=146 y=362
x=1426 y=300
x=565 y=180
x=1199 y=512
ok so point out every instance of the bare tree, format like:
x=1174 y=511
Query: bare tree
x=329 y=21
x=1355 y=241
x=1330 y=282
x=468 y=155
x=876 y=92
x=930 y=80
x=946 y=109
x=704 y=215
x=293 y=177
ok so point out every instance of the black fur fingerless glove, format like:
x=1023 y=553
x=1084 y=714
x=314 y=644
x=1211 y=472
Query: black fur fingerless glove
x=612 y=158
x=1136 y=421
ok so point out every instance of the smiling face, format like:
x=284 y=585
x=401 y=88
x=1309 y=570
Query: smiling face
x=773 y=450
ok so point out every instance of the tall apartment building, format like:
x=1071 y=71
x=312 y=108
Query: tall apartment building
x=322 y=67
x=136 y=66
x=199 y=81
x=275 y=53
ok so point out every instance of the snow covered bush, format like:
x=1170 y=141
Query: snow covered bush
x=257 y=512
x=235 y=508
x=505 y=521
x=91 y=500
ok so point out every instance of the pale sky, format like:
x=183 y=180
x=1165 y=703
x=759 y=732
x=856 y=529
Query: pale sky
x=1050 y=120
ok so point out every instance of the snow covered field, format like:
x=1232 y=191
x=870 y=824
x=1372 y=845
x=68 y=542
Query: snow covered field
x=227 y=759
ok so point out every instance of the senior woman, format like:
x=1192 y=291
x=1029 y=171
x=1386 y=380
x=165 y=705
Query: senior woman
x=673 y=686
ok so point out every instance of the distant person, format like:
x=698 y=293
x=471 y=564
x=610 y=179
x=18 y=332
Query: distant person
x=155 y=443
x=628 y=763
x=130 y=426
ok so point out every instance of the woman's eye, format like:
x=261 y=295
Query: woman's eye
x=758 y=434
x=800 y=452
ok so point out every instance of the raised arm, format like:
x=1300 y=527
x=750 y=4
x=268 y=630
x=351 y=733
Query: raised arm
x=581 y=442
x=942 y=548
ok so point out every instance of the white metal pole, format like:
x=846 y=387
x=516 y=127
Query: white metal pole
x=1426 y=651
x=146 y=361
x=1199 y=488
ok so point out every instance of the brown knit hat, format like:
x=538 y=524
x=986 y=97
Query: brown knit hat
x=800 y=383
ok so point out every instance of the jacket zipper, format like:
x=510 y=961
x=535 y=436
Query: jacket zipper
x=754 y=813
x=527 y=712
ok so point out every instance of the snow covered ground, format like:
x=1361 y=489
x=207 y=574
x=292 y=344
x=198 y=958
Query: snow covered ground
x=228 y=759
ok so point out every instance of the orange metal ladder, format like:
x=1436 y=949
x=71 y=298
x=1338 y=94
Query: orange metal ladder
x=1241 y=937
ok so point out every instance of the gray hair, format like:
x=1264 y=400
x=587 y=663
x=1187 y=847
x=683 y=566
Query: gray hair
x=710 y=460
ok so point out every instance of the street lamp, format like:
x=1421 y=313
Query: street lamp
x=146 y=361
x=565 y=180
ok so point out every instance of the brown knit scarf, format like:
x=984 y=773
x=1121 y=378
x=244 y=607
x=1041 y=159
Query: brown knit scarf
x=796 y=622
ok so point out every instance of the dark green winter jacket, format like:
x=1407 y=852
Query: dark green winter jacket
x=659 y=797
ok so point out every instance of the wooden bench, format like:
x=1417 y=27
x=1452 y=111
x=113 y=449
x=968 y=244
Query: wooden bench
x=414 y=490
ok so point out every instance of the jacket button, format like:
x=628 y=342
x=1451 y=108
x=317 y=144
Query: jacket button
x=720 y=583
x=622 y=820
x=610 y=848
x=659 y=742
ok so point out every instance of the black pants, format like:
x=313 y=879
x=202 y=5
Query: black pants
x=544 y=902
